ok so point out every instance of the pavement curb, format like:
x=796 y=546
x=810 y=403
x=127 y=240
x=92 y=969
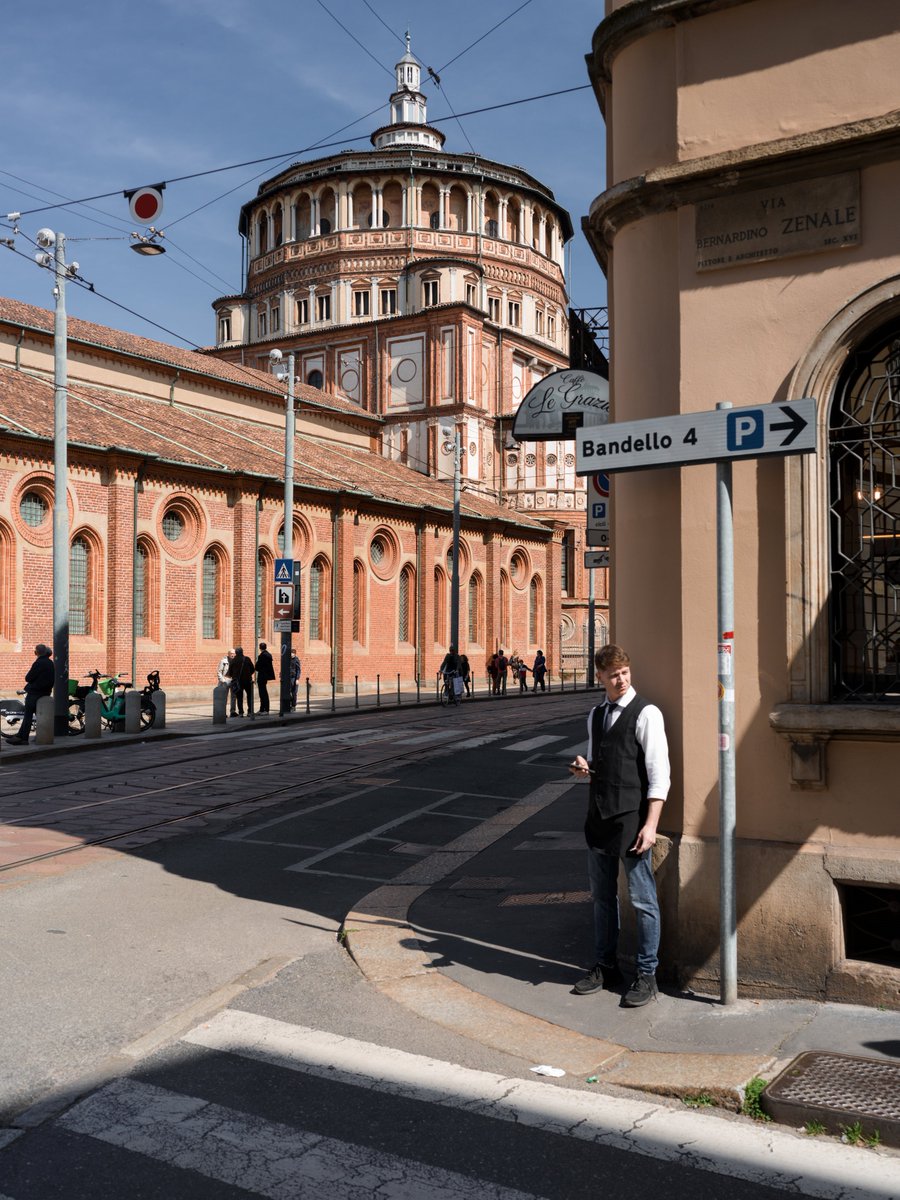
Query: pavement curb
x=386 y=948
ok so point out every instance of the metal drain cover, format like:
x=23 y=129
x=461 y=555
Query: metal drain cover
x=838 y=1090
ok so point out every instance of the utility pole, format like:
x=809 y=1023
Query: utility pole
x=47 y=239
x=454 y=584
x=284 y=703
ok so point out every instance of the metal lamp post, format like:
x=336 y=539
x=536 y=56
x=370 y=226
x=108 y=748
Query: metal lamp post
x=47 y=239
x=275 y=356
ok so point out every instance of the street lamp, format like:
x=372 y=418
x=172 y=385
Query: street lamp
x=454 y=583
x=48 y=240
x=275 y=357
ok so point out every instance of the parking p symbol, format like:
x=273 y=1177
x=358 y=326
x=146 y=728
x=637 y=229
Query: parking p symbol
x=746 y=430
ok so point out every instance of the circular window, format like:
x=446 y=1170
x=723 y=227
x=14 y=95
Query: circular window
x=384 y=553
x=34 y=509
x=518 y=569
x=173 y=526
x=181 y=525
x=570 y=460
x=315 y=379
x=530 y=460
x=378 y=551
x=551 y=460
x=512 y=459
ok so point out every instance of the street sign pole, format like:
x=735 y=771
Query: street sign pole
x=723 y=436
x=284 y=703
x=726 y=689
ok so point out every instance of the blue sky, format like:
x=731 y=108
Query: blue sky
x=100 y=96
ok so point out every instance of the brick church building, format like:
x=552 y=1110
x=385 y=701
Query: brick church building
x=422 y=295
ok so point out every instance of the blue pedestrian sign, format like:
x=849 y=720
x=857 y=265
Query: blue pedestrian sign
x=284 y=570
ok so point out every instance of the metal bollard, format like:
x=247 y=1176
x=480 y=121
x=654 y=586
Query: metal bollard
x=43 y=725
x=562 y=681
x=159 y=703
x=418 y=692
x=93 y=707
x=399 y=701
x=220 y=703
x=356 y=691
x=307 y=695
x=332 y=693
x=378 y=691
x=132 y=712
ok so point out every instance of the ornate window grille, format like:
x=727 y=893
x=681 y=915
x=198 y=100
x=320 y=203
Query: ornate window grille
x=79 y=587
x=864 y=461
x=210 y=595
x=140 y=591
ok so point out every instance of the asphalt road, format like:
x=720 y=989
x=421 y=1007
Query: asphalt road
x=181 y=1020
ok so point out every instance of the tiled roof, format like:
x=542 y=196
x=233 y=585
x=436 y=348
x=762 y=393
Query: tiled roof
x=195 y=437
x=18 y=314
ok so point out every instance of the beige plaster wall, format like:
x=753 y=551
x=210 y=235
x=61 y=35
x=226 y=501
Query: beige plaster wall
x=774 y=69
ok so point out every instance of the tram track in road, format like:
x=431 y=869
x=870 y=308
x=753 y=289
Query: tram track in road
x=397 y=756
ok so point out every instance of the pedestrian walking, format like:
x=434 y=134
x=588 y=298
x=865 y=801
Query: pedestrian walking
x=503 y=668
x=493 y=670
x=38 y=682
x=521 y=673
x=539 y=670
x=295 y=668
x=222 y=676
x=265 y=673
x=466 y=672
x=241 y=673
x=628 y=766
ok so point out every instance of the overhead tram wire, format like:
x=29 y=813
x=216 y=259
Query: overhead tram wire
x=378 y=17
x=472 y=112
x=365 y=49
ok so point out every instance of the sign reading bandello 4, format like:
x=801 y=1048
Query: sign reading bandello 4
x=723 y=434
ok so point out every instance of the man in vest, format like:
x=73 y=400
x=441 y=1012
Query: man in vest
x=628 y=767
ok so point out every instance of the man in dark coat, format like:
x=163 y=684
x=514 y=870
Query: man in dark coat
x=241 y=671
x=38 y=682
x=265 y=672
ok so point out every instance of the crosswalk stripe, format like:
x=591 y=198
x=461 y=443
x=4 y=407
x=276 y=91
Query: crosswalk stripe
x=571 y=751
x=534 y=743
x=261 y=1156
x=761 y=1154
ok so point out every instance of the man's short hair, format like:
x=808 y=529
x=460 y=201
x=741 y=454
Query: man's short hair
x=239 y=649
x=610 y=657
x=40 y=650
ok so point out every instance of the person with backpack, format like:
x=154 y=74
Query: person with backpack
x=503 y=667
x=241 y=674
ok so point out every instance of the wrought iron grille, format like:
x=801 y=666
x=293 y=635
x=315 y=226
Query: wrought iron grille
x=79 y=587
x=140 y=591
x=210 y=595
x=864 y=445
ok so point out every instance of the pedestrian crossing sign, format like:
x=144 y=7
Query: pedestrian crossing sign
x=284 y=570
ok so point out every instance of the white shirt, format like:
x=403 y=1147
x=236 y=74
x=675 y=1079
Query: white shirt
x=650 y=732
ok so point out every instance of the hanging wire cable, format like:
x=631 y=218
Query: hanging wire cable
x=472 y=45
x=378 y=17
x=365 y=49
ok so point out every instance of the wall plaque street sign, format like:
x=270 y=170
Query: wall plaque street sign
x=794 y=218
x=560 y=403
x=596 y=558
x=284 y=626
x=723 y=434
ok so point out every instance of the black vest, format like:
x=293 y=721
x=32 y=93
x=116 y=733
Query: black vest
x=619 y=783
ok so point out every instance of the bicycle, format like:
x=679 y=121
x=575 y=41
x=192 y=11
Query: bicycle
x=112 y=689
x=451 y=691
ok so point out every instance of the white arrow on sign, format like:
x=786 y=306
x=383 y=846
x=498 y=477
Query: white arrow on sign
x=715 y=436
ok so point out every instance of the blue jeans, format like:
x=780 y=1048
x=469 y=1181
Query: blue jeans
x=603 y=872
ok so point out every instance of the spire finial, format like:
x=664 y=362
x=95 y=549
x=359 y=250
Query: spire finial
x=407 y=41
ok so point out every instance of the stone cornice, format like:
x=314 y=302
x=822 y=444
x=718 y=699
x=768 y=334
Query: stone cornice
x=802 y=156
x=634 y=21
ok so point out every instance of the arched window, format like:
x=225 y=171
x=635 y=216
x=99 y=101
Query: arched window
x=265 y=573
x=504 y=609
x=406 y=607
x=534 y=612
x=359 y=602
x=864 y=464
x=146 y=590
x=81 y=587
x=263 y=233
x=324 y=226
x=475 y=621
x=211 y=594
x=318 y=600
x=7 y=592
x=565 y=554
x=440 y=606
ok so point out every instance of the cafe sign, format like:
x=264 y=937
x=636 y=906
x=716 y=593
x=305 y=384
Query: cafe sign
x=808 y=217
x=560 y=403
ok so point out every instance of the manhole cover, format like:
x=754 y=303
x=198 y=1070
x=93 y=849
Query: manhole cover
x=838 y=1090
